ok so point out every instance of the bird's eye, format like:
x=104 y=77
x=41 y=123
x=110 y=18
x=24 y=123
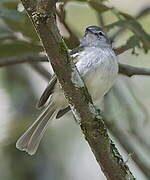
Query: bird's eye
x=101 y=33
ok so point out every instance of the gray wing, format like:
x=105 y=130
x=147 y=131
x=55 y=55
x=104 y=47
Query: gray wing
x=49 y=89
x=46 y=94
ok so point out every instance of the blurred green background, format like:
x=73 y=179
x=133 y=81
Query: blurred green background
x=64 y=154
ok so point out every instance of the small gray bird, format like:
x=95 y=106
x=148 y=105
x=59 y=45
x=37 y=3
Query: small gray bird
x=98 y=66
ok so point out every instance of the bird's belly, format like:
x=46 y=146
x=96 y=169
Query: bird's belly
x=99 y=81
x=98 y=68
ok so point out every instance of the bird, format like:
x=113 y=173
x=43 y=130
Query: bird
x=96 y=63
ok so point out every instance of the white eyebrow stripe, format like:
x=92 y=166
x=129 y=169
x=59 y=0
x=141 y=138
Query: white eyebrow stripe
x=101 y=32
x=74 y=55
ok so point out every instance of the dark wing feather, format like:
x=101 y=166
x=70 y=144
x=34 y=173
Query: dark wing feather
x=49 y=89
x=62 y=112
x=47 y=92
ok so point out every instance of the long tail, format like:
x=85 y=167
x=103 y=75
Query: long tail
x=30 y=140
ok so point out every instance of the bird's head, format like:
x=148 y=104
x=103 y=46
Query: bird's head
x=95 y=37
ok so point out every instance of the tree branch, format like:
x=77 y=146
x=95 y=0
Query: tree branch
x=34 y=58
x=131 y=70
x=92 y=125
x=121 y=50
x=27 y=58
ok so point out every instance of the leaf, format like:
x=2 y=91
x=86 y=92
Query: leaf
x=10 y=14
x=133 y=25
x=98 y=6
x=6 y=35
x=12 y=5
x=132 y=42
x=81 y=0
x=25 y=27
x=22 y=25
x=128 y=22
x=138 y=30
x=5 y=1
x=119 y=23
x=86 y=0
x=15 y=47
x=143 y=13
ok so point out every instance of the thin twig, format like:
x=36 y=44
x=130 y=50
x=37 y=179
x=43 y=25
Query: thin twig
x=131 y=70
x=63 y=26
x=120 y=50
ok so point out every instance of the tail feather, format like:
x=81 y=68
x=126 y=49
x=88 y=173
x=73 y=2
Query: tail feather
x=30 y=140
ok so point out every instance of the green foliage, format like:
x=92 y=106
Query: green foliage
x=18 y=47
x=140 y=38
x=17 y=35
x=133 y=25
x=98 y=6
x=10 y=14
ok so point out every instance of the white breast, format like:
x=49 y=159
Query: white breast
x=99 y=69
